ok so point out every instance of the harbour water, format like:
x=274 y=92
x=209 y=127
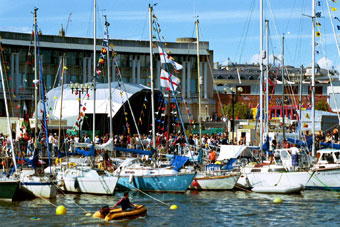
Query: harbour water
x=231 y=208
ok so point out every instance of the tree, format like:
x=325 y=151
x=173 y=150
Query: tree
x=322 y=105
x=241 y=111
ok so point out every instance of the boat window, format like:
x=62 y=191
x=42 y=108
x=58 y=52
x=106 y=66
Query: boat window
x=284 y=155
x=328 y=157
x=337 y=155
x=277 y=170
x=255 y=170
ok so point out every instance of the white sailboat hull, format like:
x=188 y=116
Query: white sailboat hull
x=277 y=182
x=209 y=182
x=38 y=186
x=324 y=179
x=89 y=181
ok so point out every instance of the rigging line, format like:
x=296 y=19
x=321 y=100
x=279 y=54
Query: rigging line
x=245 y=30
x=246 y=33
x=290 y=15
x=144 y=25
x=275 y=26
x=5 y=70
x=299 y=38
x=337 y=46
x=128 y=101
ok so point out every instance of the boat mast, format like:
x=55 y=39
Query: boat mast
x=199 y=85
x=94 y=72
x=36 y=81
x=7 y=114
x=153 y=145
x=261 y=76
x=283 y=88
x=267 y=83
x=313 y=77
x=109 y=73
x=61 y=102
x=300 y=102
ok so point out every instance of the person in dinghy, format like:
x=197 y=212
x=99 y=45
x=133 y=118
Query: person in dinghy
x=125 y=203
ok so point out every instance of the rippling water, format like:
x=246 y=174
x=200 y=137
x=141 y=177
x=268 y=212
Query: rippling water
x=195 y=209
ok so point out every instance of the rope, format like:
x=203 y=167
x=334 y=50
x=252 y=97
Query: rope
x=318 y=179
x=166 y=204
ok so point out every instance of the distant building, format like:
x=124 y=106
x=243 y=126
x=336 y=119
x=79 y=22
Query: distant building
x=247 y=76
x=133 y=60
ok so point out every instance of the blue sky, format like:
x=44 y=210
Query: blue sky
x=231 y=26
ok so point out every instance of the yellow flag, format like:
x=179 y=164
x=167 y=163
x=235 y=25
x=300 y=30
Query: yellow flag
x=334 y=9
x=65 y=67
x=317 y=34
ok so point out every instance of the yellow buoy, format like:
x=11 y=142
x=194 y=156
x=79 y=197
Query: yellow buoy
x=61 y=210
x=277 y=200
x=88 y=214
x=173 y=207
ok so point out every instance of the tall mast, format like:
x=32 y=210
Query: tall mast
x=267 y=79
x=261 y=76
x=61 y=102
x=109 y=73
x=283 y=87
x=94 y=71
x=199 y=84
x=300 y=102
x=152 y=84
x=7 y=114
x=313 y=78
x=36 y=84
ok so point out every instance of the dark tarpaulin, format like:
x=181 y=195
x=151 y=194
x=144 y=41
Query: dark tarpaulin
x=330 y=145
x=179 y=161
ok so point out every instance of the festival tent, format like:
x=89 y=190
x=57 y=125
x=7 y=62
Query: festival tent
x=75 y=104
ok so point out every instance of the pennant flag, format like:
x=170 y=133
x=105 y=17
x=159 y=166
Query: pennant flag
x=334 y=9
x=338 y=27
x=317 y=24
x=317 y=34
x=98 y=72
x=318 y=14
x=166 y=59
x=319 y=3
x=65 y=68
x=334 y=1
x=166 y=78
x=336 y=18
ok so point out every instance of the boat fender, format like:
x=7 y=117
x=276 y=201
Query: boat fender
x=130 y=178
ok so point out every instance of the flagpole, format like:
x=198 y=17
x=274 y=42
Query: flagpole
x=199 y=85
x=94 y=73
x=283 y=88
x=153 y=145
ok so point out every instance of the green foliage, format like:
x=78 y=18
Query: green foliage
x=241 y=111
x=322 y=105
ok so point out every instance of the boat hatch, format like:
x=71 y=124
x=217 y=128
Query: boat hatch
x=101 y=172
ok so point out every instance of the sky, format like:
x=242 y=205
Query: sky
x=230 y=26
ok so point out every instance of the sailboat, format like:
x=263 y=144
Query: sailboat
x=83 y=178
x=272 y=176
x=34 y=183
x=8 y=187
x=136 y=176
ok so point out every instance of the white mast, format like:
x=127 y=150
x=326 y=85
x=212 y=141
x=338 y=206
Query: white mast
x=199 y=85
x=313 y=77
x=109 y=73
x=94 y=72
x=261 y=75
x=36 y=82
x=267 y=80
x=152 y=85
x=7 y=114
